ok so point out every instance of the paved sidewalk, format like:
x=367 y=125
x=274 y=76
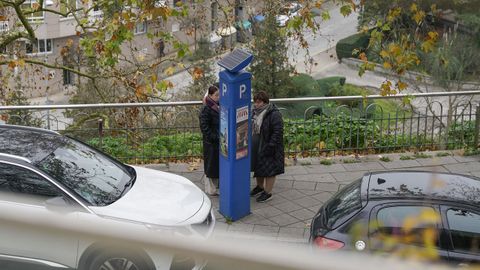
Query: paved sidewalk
x=306 y=185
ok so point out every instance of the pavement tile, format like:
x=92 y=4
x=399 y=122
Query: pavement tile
x=400 y=164
x=315 y=177
x=306 y=202
x=266 y=229
x=265 y=222
x=291 y=232
x=240 y=227
x=437 y=161
x=426 y=168
x=326 y=168
x=301 y=224
x=178 y=167
x=327 y=187
x=284 y=183
x=308 y=192
x=292 y=194
x=302 y=214
x=348 y=176
x=193 y=176
x=322 y=196
x=284 y=177
x=364 y=166
x=304 y=185
x=463 y=159
x=267 y=212
x=284 y=219
x=295 y=170
x=462 y=167
x=287 y=207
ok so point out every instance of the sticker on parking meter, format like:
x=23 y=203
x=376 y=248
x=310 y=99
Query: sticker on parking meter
x=242 y=132
x=224 y=131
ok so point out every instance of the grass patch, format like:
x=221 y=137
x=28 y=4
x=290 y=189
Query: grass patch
x=406 y=157
x=443 y=154
x=422 y=155
x=385 y=159
x=351 y=160
x=326 y=162
x=305 y=163
x=471 y=152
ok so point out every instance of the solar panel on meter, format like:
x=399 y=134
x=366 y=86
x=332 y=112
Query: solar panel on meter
x=236 y=60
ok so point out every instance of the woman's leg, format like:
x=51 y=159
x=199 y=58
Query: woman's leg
x=269 y=181
x=261 y=182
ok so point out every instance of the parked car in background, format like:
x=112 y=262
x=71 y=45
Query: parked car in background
x=405 y=212
x=288 y=11
x=43 y=171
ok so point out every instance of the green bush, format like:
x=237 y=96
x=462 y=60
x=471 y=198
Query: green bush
x=306 y=85
x=329 y=83
x=117 y=147
x=346 y=46
x=164 y=146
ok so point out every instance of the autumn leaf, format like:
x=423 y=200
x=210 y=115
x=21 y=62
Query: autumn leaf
x=413 y=8
x=169 y=71
x=384 y=54
x=35 y=6
x=12 y=64
x=197 y=73
x=387 y=65
x=363 y=57
x=401 y=85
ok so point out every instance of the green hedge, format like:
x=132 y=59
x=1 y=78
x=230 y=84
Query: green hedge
x=345 y=47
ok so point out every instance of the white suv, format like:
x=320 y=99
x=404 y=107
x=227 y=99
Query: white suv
x=41 y=171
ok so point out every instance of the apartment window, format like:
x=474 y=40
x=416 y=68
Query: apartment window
x=67 y=77
x=41 y=46
x=30 y=7
x=68 y=5
x=140 y=28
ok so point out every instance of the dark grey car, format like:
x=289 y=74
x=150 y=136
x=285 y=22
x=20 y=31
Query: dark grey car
x=436 y=215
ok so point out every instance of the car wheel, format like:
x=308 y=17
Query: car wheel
x=118 y=261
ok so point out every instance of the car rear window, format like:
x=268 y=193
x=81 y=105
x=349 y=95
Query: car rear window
x=343 y=205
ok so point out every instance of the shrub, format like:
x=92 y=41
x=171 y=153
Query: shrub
x=346 y=46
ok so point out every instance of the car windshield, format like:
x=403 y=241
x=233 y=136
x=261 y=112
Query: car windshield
x=93 y=176
x=343 y=205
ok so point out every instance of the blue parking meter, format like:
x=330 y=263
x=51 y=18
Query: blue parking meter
x=235 y=135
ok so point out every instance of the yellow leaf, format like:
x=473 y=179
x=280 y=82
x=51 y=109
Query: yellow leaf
x=401 y=85
x=21 y=63
x=384 y=54
x=387 y=65
x=433 y=35
x=413 y=7
x=418 y=17
x=169 y=71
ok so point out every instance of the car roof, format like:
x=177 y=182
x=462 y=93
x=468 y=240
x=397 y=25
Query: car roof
x=425 y=185
x=29 y=143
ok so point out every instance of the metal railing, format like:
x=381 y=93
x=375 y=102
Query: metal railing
x=151 y=132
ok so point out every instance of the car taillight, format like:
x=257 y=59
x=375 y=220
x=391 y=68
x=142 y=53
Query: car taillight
x=325 y=243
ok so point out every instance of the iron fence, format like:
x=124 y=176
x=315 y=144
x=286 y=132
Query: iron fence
x=154 y=132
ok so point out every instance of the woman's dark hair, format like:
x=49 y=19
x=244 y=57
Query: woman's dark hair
x=261 y=95
x=212 y=89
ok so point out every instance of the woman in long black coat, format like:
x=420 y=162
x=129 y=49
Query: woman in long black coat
x=267 y=149
x=209 y=124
